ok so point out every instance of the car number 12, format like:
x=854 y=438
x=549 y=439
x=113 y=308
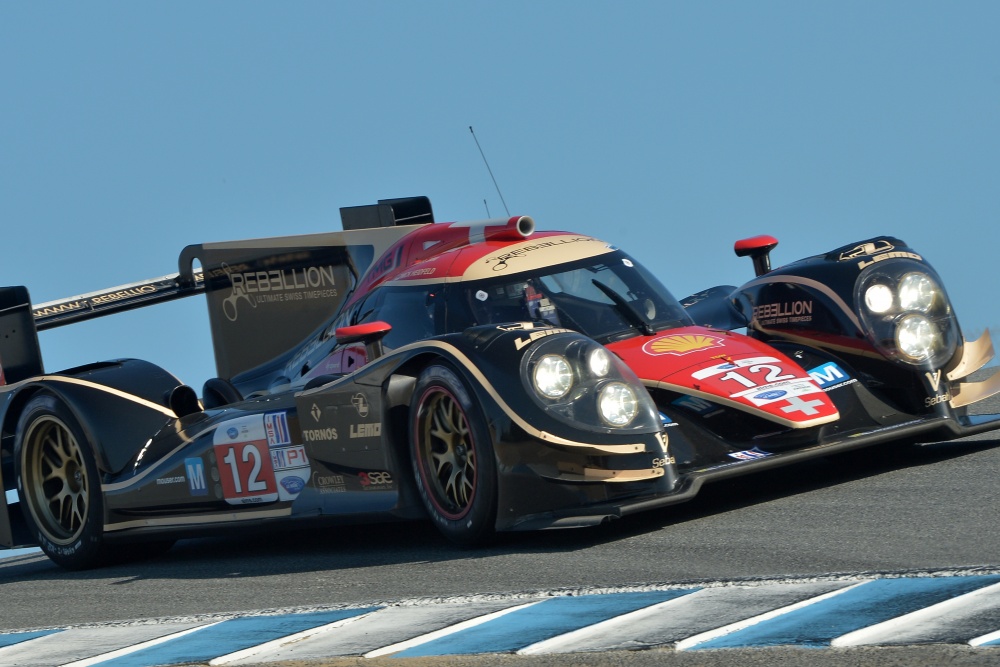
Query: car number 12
x=248 y=474
x=774 y=374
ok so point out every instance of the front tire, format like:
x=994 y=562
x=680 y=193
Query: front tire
x=59 y=484
x=453 y=459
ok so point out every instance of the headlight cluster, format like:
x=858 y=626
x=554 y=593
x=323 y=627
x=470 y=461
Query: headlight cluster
x=908 y=315
x=581 y=382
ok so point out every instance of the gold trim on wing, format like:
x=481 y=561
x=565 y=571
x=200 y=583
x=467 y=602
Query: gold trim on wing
x=967 y=393
x=108 y=390
x=722 y=400
x=975 y=355
x=602 y=475
x=630 y=448
x=215 y=517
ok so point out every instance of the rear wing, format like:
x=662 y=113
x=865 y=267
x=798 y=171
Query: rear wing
x=264 y=295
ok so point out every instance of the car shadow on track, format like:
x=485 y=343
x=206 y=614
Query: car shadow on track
x=267 y=553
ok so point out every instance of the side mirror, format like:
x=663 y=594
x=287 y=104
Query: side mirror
x=759 y=249
x=369 y=333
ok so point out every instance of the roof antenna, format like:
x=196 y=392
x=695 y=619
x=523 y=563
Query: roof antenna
x=491 y=173
x=487 y=207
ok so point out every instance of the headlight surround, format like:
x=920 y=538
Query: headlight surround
x=906 y=313
x=579 y=382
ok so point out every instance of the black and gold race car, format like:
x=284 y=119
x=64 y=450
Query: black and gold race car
x=482 y=374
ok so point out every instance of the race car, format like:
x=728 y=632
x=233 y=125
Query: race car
x=484 y=375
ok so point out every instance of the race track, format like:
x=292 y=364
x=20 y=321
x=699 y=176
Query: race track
x=903 y=510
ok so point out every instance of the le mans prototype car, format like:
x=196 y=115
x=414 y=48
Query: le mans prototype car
x=482 y=374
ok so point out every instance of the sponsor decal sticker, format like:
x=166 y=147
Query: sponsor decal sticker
x=329 y=483
x=934 y=379
x=360 y=404
x=749 y=454
x=375 y=481
x=499 y=262
x=770 y=395
x=292 y=485
x=277 y=285
x=830 y=376
x=244 y=456
x=319 y=434
x=276 y=425
x=366 y=430
x=783 y=313
x=520 y=343
x=732 y=365
x=681 y=344
x=698 y=405
x=777 y=391
x=291 y=469
x=195 y=470
x=866 y=249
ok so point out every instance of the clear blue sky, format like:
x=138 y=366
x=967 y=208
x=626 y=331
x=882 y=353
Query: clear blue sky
x=131 y=129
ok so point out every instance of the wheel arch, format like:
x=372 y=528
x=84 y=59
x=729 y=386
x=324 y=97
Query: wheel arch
x=398 y=395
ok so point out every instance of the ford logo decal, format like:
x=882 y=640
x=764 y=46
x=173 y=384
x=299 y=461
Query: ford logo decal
x=771 y=395
x=232 y=432
x=293 y=484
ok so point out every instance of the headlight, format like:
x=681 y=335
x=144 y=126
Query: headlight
x=917 y=338
x=553 y=376
x=599 y=361
x=906 y=313
x=917 y=292
x=618 y=403
x=878 y=298
x=578 y=382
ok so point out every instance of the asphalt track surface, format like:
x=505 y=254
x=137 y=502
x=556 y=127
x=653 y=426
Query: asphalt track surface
x=899 y=510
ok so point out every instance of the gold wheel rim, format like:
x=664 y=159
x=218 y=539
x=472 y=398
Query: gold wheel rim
x=55 y=480
x=448 y=455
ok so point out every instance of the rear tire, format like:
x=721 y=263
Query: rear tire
x=59 y=484
x=453 y=459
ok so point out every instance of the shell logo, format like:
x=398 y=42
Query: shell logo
x=679 y=344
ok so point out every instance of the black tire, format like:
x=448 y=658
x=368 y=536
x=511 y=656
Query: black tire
x=453 y=459
x=59 y=484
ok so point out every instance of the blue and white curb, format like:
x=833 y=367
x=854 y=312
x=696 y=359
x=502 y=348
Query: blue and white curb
x=835 y=612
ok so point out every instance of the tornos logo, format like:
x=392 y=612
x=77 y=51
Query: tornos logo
x=680 y=344
x=319 y=434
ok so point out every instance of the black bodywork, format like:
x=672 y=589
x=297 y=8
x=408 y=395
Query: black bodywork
x=275 y=438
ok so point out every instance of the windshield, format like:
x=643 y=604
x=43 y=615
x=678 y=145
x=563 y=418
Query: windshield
x=607 y=298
